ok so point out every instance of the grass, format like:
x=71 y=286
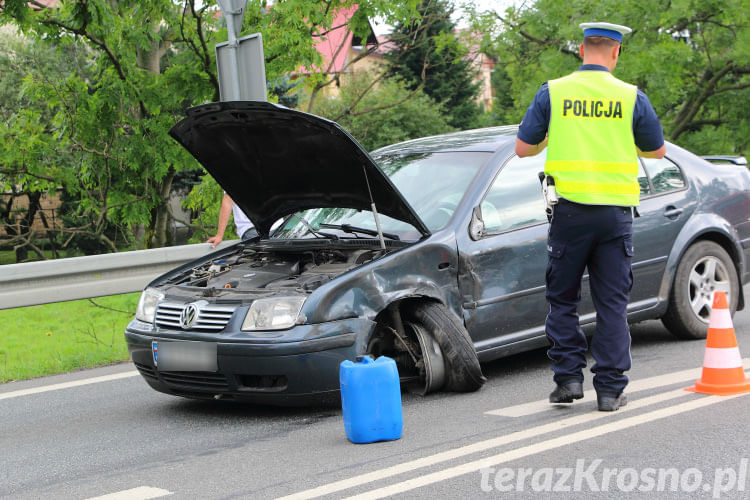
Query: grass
x=9 y=256
x=65 y=336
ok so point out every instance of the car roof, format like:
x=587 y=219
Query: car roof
x=484 y=139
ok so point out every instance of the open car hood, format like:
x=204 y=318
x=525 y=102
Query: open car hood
x=274 y=161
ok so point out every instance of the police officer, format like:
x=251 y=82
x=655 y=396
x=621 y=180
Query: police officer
x=595 y=126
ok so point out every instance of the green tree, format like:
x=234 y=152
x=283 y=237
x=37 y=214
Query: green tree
x=691 y=57
x=429 y=55
x=148 y=60
x=35 y=159
x=383 y=114
x=110 y=114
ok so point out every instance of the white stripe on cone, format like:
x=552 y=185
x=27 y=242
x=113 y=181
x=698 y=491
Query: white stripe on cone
x=720 y=318
x=725 y=357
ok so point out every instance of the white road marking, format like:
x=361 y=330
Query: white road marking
x=525 y=409
x=550 y=444
x=67 y=385
x=419 y=463
x=557 y=425
x=140 y=493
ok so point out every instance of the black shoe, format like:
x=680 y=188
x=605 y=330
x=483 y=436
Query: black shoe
x=566 y=393
x=609 y=403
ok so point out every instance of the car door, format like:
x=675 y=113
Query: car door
x=666 y=204
x=503 y=270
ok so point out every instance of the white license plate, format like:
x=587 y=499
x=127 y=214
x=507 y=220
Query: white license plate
x=184 y=356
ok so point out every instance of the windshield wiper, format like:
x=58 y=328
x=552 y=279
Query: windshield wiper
x=348 y=228
x=318 y=234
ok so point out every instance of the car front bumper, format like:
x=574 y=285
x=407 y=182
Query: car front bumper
x=298 y=366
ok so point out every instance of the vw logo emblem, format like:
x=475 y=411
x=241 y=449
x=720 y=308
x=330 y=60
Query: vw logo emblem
x=188 y=316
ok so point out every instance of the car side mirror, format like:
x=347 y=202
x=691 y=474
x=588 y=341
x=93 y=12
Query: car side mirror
x=476 y=226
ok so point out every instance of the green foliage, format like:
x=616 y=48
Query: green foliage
x=204 y=200
x=99 y=127
x=55 y=338
x=284 y=89
x=691 y=57
x=34 y=158
x=386 y=114
x=430 y=55
x=107 y=115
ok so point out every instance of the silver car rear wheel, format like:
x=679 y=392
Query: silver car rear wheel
x=705 y=268
x=708 y=275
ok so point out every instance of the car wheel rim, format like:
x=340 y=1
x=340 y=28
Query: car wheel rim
x=432 y=364
x=708 y=275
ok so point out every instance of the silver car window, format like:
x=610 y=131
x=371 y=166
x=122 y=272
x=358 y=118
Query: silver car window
x=665 y=175
x=515 y=198
x=432 y=183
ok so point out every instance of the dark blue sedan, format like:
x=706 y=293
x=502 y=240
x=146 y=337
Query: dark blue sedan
x=432 y=251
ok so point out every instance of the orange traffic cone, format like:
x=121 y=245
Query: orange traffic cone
x=722 y=364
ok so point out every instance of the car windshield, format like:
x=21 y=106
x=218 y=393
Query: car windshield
x=432 y=183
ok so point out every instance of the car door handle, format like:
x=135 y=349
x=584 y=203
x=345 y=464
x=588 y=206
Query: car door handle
x=672 y=212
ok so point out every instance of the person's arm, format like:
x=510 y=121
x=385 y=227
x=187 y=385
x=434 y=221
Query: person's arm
x=224 y=212
x=532 y=133
x=524 y=149
x=647 y=131
x=658 y=153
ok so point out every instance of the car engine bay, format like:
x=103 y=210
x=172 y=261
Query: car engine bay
x=265 y=269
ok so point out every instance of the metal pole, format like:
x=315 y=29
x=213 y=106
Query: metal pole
x=230 y=9
x=235 y=64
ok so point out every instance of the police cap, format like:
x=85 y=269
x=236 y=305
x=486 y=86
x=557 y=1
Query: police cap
x=609 y=30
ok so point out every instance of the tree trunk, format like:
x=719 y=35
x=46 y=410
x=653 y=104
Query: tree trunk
x=24 y=229
x=160 y=235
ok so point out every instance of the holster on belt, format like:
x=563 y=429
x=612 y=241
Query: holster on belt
x=549 y=193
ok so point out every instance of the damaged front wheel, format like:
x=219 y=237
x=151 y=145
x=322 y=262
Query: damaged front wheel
x=463 y=373
x=431 y=365
x=431 y=347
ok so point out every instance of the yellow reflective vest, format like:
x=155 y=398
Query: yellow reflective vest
x=591 y=151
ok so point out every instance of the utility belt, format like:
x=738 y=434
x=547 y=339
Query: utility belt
x=551 y=198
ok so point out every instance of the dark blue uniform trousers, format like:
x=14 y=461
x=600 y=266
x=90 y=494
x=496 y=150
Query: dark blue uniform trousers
x=599 y=238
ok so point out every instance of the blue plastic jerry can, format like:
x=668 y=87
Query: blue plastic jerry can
x=371 y=399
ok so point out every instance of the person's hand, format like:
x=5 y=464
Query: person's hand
x=215 y=240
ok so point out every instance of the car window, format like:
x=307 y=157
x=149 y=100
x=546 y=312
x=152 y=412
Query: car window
x=432 y=183
x=515 y=198
x=665 y=175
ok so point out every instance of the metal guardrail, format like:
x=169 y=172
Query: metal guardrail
x=59 y=280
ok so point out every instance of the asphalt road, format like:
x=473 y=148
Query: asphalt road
x=105 y=432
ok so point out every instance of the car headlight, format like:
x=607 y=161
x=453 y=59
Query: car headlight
x=147 y=305
x=273 y=314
